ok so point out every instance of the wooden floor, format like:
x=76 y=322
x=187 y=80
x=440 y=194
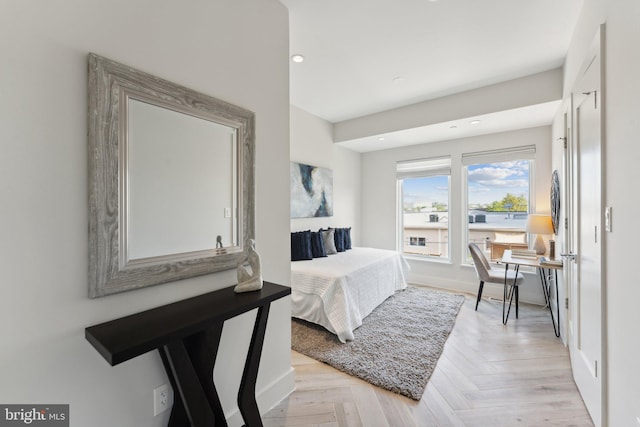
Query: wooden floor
x=489 y=375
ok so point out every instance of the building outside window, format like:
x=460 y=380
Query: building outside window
x=423 y=205
x=498 y=199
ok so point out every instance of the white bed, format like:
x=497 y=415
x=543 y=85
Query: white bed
x=340 y=290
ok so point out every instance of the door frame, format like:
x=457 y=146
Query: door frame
x=567 y=203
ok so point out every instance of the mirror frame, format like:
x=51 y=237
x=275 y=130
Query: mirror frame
x=110 y=86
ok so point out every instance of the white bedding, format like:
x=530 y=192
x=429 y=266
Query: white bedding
x=340 y=290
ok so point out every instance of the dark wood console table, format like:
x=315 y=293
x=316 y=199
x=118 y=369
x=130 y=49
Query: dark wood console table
x=187 y=335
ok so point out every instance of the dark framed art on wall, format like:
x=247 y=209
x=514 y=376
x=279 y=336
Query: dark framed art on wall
x=555 y=201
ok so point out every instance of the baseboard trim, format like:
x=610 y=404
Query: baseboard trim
x=531 y=294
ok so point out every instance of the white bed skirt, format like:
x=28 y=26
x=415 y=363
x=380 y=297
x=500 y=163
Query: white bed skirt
x=340 y=290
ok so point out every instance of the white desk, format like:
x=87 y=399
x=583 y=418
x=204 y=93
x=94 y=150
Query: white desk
x=507 y=259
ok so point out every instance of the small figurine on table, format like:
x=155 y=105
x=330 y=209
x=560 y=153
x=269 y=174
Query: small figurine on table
x=250 y=276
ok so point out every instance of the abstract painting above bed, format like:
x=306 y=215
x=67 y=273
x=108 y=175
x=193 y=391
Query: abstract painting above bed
x=311 y=191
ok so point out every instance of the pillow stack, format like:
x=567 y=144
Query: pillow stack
x=306 y=245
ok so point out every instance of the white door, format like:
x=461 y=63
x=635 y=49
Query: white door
x=585 y=236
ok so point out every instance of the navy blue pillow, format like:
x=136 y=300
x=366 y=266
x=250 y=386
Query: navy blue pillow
x=317 y=245
x=339 y=239
x=347 y=238
x=301 y=246
x=342 y=238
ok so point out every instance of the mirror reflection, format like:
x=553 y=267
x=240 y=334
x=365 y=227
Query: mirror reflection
x=182 y=189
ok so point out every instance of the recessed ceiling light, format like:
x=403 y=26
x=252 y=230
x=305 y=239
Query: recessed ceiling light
x=297 y=58
x=453 y=127
x=381 y=138
x=475 y=122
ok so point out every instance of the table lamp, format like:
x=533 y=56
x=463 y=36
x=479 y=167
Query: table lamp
x=539 y=224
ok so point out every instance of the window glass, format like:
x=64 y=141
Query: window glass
x=425 y=216
x=498 y=196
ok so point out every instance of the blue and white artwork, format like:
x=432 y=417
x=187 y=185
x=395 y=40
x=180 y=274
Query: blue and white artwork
x=311 y=191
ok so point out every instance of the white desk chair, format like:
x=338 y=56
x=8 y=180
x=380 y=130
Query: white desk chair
x=494 y=275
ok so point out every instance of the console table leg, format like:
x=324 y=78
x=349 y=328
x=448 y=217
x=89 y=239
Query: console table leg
x=186 y=384
x=203 y=351
x=178 y=416
x=247 y=393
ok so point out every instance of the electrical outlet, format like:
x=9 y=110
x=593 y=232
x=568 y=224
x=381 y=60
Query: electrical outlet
x=162 y=399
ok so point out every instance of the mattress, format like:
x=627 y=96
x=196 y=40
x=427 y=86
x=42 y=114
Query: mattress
x=339 y=291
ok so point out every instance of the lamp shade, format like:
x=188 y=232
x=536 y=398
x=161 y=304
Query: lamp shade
x=539 y=224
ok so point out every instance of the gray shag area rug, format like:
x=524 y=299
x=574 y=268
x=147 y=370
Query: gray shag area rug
x=397 y=346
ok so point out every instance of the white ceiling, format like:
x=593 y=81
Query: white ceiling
x=367 y=56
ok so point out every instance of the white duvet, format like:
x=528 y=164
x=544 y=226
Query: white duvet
x=340 y=290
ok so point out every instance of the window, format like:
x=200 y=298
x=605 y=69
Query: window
x=423 y=205
x=498 y=198
x=417 y=241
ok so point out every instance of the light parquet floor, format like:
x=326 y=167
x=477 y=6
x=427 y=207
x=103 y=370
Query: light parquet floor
x=489 y=375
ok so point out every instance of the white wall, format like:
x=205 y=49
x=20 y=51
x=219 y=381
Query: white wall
x=236 y=51
x=621 y=175
x=312 y=143
x=380 y=211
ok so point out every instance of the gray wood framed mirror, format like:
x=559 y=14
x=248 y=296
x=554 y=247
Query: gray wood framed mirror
x=171 y=180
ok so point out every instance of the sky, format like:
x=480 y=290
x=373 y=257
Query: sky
x=486 y=183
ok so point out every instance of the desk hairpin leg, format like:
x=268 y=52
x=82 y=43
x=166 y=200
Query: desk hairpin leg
x=504 y=293
x=555 y=272
x=509 y=294
x=547 y=296
x=545 y=288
